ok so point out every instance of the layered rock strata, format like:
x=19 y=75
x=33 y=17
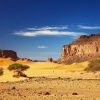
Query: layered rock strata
x=82 y=49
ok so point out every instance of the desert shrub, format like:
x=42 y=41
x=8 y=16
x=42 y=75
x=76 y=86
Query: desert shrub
x=18 y=69
x=94 y=65
x=1 y=71
x=17 y=66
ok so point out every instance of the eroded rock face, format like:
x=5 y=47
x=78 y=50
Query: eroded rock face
x=50 y=60
x=82 y=49
x=8 y=54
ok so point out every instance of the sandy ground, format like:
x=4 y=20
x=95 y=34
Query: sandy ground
x=39 y=69
x=50 y=81
x=48 y=69
x=51 y=89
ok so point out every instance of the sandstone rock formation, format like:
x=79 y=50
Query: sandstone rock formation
x=50 y=60
x=8 y=54
x=82 y=49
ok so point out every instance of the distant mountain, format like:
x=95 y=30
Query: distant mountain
x=82 y=49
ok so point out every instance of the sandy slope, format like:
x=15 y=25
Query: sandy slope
x=47 y=69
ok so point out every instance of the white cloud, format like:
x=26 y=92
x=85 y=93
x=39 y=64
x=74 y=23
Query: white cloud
x=88 y=27
x=48 y=28
x=48 y=31
x=42 y=47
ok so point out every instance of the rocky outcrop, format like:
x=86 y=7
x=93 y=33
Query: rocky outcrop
x=25 y=59
x=82 y=49
x=50 y=60
x=8 y=54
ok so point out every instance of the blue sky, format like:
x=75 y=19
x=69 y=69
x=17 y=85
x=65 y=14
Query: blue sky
x=38 y=29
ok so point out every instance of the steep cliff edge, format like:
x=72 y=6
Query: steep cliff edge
x=8 y=54
x=82 y=49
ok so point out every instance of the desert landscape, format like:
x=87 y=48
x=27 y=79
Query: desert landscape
x=48 y=81
x=49 y=49
x=58 y=80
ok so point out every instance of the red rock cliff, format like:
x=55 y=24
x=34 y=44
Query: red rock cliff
x=82 y=49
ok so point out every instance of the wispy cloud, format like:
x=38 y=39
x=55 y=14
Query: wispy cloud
x=48 y=28
x=88 y=27
x=42 y=47
x=48 y=31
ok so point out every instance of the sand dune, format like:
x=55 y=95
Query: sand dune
x=47 y=69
